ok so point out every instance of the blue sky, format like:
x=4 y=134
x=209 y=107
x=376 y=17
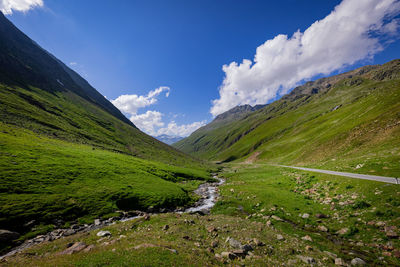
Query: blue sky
x=134 y=47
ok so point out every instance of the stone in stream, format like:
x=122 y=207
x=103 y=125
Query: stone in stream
x=7 y=236
x=97 y=222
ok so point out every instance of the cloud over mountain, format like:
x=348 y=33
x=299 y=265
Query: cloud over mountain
x=8 y=6
x=151 y=122
x=353 y=31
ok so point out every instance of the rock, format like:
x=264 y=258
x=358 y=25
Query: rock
x=258 y=242
x=211 y=229
x=239 y=253
x=322 y=228
x=76 y=247
x=307 y=260
x=307 y=238
x=305 y=216
x=7 y=236
x=387 y=253
x=330 y=254
x=103 y=233
x=88 y=248
x=342 y=231
x=371 y=223
x=276 y=218
x=269 y=223
x=69 y=232
x=280 y=237
x=340 y=262
x=391 y=231
x=309 y=248
x=380 y=224
x=234 y=243
x=396 y=253
x=321 y=216
x=214 y=244
x=247 y=247
x=357 y=262
x=292 y=262
x=228 y=255
x=97 y=222
x=165 y=227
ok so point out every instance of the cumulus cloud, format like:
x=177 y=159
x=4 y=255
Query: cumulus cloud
x=353 y=31
x=131 y=103
x=151 y=122
x=183 y=130
x=8 y=6
x=148 y=122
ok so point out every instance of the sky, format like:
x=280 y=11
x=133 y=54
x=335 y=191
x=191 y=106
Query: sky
x=172 y=66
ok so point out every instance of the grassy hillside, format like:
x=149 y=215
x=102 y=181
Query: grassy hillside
x=67 y=154
x=338 y=122
x=45 y=179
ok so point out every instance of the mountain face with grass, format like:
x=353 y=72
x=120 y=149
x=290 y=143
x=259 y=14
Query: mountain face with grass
x=340 y=122
x=67 y=155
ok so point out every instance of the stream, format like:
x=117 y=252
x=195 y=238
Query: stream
x=209 y=196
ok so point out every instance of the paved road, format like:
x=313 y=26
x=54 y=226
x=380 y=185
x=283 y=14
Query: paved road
x=384 y=179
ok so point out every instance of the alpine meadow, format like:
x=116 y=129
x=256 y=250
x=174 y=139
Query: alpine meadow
x=296 y=162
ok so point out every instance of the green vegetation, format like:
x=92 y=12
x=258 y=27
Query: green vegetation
x=257 y=202
x=346 y=122
x=43 y=179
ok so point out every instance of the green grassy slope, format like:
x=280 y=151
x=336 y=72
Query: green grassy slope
x=44 y=179
x=304 y=128
x=67 y=153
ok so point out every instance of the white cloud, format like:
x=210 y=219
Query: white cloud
x=131 y=103
x=182 y=130
x=73 y=63
x=8 y=6
x=148 y=122
x=151 y=121
x=350 y=33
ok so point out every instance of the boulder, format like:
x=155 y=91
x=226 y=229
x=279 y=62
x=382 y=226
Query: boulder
x=340 y=262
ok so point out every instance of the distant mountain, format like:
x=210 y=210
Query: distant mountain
x=346 y=116
x=168 y=139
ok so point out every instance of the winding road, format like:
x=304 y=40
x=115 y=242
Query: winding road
x=391 y=180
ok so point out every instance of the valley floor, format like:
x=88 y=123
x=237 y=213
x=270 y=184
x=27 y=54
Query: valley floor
x=266 y=215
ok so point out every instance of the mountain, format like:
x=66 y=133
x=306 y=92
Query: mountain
x=335 y=122
x=168 y=139
x=68 y=155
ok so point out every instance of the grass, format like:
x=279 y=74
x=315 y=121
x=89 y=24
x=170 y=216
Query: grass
x=44 y=179
x=305 y=130
x=66 y=116
x=251 y=194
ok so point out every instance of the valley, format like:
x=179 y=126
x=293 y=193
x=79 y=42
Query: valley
x=301 y=172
